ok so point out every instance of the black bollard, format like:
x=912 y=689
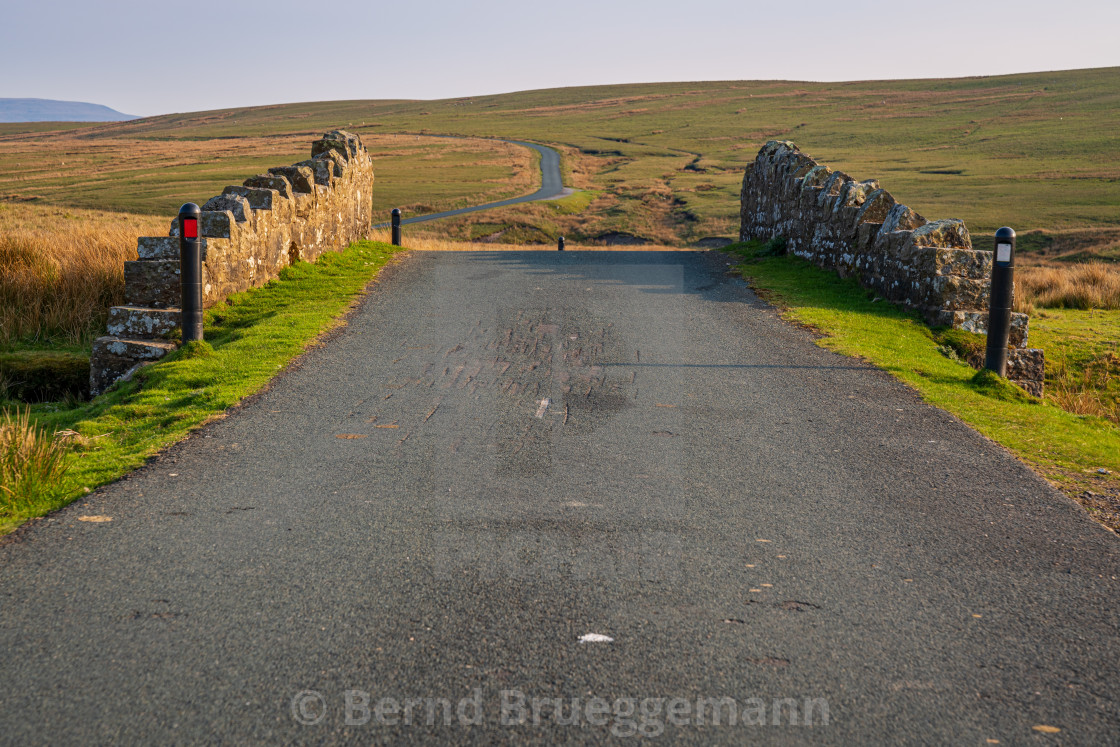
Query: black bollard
x=999 y=312
x=190 y=272
x=560 y=244
x=396 y=226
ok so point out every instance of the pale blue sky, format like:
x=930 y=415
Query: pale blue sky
x=152 y=57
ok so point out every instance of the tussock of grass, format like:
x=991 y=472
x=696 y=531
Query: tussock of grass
x=247 y=342
x=1065 y=447
x=1092 y=285
x=991 y=385
x=196 y=349
x=967 y=346
x=1082 y=359
x=1086 y=389
x=575 y=204
x=32 y=462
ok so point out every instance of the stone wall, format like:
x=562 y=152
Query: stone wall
x=858 y=229
x=249 y=232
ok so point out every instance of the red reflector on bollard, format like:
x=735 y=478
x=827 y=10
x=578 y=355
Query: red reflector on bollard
x=190 y=228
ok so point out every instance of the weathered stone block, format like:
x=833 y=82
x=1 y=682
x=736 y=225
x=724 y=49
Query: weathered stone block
x=152 y=282
x=832 y=186
x=301 y=178
x=968 y=263
x=113 y=357
x=236 y=204
x=258 y=199
x=816 y=177
x=949 y=233
x=328 y=143
x=865 y=236
x=1027 y=368
x=271 y=181
x=1018 y=333
x=952 y=292
x=346 y=144
x=891 y=243
x=142 y=322
x=323 y=169
x=218 y=225
x=875 y=207
x=158 y=247
x=901 y=218
x=338 y=162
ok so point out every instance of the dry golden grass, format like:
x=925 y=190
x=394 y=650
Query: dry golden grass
x=61 y=270
x=1092 y=285
x=1083 y=391
x=429 y=242
x=31 y=462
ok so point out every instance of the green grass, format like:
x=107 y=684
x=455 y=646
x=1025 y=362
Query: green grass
x=1066 y=448
x=576 y=203
x=248 y=341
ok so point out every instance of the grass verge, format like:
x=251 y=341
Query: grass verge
x=1066 y=448
x=248 y=340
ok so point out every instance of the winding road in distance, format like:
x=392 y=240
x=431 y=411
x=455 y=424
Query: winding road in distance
x=552 y=186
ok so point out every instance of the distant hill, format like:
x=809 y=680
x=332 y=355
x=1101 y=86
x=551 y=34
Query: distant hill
x=48 y=110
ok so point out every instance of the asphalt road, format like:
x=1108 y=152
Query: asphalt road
x=504 y=453
x=552 y=186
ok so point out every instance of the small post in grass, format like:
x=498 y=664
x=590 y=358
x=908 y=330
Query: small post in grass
x=396 y=226
x=190 y=272
x=999 y=311
x=560 y=244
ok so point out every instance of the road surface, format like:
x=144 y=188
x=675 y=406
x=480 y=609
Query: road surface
x=617 y=478
x=552 y=186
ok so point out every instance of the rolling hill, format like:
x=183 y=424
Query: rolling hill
x=1034 y=150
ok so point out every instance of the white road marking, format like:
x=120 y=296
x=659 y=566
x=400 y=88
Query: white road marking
x=544 y=406
x=595 y=638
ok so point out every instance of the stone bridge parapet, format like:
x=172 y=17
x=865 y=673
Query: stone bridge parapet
x=250 y=233
x=858 y=229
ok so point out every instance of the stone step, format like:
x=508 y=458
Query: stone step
x=167 y=247
x=142 y=322
x=152 y=282
x=977 y=323
x=114 y=357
